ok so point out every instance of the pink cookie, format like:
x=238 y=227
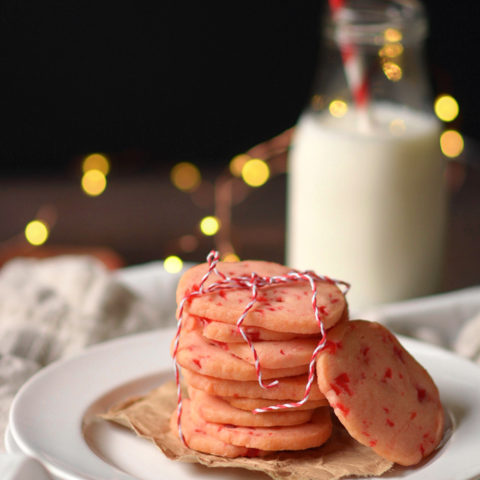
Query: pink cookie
x=380 y=393
x=251 y=404
x=209 y=358
x=280 y=308
x=288 y=388
x=213 y=409
x=228 y=333
x=197 y=438
x=276 y=354
x=298 y=437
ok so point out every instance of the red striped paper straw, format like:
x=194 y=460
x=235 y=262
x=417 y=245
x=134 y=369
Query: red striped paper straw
x=352 y=63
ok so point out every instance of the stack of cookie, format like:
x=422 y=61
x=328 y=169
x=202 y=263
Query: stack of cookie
x=221 y=370
x=381 y=395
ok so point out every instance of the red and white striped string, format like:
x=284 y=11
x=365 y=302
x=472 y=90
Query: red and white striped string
x=253 y=282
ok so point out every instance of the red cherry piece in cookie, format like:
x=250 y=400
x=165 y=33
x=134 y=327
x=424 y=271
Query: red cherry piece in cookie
x=380 y=393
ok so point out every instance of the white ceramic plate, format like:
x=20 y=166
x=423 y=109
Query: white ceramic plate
x=53 y=417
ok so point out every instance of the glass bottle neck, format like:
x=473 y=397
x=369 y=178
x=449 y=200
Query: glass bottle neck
x=373 y=52
x=372 y=22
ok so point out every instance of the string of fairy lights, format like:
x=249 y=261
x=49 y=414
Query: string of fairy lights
x=243 y=169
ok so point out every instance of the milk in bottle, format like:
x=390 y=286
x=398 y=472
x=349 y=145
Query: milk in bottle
x=366 y=194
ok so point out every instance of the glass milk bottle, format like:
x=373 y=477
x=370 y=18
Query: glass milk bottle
x=366 y=194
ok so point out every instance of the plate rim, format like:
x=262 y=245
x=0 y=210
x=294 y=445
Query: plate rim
x=54 y=465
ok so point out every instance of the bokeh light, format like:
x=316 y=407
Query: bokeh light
x=338 y=108
x=173 y=264
x=392 y=35
x=237 y=163
x=392 y=71
x=451 y=143
x=391 y=50
x=446 y=108
x=255 y=172
x=94 y=182
x=230 y=257
x=209 y=225
x=397 y=126
x=185 y=176
x=36 y=232
x=96 y=161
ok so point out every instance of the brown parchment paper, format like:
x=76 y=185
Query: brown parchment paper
x=341 y=456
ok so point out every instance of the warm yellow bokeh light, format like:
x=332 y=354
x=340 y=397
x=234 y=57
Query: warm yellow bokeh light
x=392 y=35
x=391 y=50
x=185 y=176
x=446 y=108
x=237 y=163
x=338 y=108
x=230 y=257
x=94 y=182
x=392 y=71
x=255 y=172
x=173 y=264
x=96 y=161
x=397 y=126
x=451 y=143
x=36 y=232
x=209 y=225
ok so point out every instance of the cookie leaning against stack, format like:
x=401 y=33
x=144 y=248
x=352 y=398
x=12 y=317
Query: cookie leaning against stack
x=382 y=396
x=219 y=366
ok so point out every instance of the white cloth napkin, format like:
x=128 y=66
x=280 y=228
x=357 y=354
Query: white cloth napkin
x=449 y=320
x=53 y=308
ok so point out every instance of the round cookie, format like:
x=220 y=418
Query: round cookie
x=276 y=354
x=380 y=393
x=213 y=409
x=251 y=404
x=197 y=438
x=298 y=437
x=292 y=388
x=228 y=333
x=208 y=358
x=282 y=307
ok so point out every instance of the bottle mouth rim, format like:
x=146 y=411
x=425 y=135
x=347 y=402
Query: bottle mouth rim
x=367 y=21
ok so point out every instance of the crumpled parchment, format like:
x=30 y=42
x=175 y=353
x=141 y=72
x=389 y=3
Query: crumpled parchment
x=148 y=416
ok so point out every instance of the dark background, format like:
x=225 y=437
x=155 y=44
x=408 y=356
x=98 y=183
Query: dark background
x=152 y=83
